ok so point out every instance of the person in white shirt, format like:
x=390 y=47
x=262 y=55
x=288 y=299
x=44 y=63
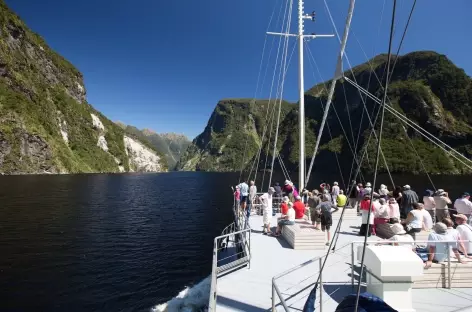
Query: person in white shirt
x=465 y=233
x=393 y=209
x=455 y=235
x=266 y=203
x=401 y=238
x=383 y=191
x=427 y=220
x=463 y=205
x=428 y=201
x=335 y=192
x=414 y=220
x=439 y=241
x=288 y=219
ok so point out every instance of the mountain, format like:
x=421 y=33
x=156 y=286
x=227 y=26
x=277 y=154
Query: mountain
x=46 y=123
x=425 y=86
x=170 y=145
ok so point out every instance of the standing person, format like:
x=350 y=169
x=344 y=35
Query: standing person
x=305 y=197
x=394 y=209
x=244 y=188
x=288 y=190
x=252 y=197
x=383 y=191
x=299 y=208
x=313 y=202
x=237 y=196
x=428 y=201
x=266 y=201
x=278 y=190
x=360 y=197
x=325 y=216
x=354 y=193
x=463 y=205
x=365 y=209
x=397 y=194
x=335 y=192
x=409 y=198
x=441 y=200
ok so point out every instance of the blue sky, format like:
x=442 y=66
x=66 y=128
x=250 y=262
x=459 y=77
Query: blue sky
x=164 y=64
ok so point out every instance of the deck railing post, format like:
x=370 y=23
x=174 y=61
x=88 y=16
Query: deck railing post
x=273 y=296
x=352 y=266
x=448 y=266
x=249 y=250
x=321 y=286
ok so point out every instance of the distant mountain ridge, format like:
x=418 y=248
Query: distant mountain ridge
x=170 y=145
x=425 y=86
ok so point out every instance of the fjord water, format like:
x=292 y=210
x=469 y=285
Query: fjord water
x=119 y=242
x=107 y=242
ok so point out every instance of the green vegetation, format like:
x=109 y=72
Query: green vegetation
x=426 y=87
x=41 y=94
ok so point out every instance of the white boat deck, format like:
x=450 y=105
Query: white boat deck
x=251 y=289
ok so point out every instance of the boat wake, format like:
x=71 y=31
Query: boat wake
x=191 y=299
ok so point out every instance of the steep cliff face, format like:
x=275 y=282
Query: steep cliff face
x=170 y=145
x=46 y=124
x=425 y=86
x=232 y=136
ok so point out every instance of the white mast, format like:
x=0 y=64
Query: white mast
x=301 y=94
x=301 y=86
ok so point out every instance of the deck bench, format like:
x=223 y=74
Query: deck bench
x=303 y=235
x=436 y=276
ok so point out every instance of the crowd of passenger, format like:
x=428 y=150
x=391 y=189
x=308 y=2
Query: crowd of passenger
x=397 y=215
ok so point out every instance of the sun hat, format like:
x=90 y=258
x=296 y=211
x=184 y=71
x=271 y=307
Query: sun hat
x=287 y=182
x=397 y=228
x=286 y=200
x=368 y=184
x=465 y=194
x=460 y=216
x=406 y=187
x=440 y=228
x=335 y=183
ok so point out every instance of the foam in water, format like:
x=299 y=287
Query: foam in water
x=188 y=300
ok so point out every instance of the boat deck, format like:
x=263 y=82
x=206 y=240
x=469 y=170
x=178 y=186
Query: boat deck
x=251 y=289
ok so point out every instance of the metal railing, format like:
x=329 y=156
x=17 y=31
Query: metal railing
x=234 y=245
x=338 y=256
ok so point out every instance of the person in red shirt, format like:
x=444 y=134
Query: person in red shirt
x=299 y=208
x=284 y=206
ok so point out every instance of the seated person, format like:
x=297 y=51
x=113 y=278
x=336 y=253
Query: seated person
x=284 y=207
x=401 y=238
x=288 y=219
x=438 y=245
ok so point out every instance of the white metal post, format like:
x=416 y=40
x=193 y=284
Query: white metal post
x=301 y=90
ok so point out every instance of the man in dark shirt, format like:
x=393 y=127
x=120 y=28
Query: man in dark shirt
x=326 y=218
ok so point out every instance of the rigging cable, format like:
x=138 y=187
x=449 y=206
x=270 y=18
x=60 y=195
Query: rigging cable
x=271 y=88
x=382 y=107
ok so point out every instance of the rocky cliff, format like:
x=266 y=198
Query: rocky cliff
x=426 y=86
x=170 y=145
x=46 y=123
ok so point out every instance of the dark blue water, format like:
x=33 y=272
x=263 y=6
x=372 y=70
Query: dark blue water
x=107 y=242
x=121 y=242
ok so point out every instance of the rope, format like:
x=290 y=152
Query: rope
x=352 y=73
x=382 y=107
x=416 y=127
x=322 y=107
x=271 y=90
